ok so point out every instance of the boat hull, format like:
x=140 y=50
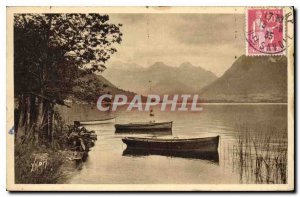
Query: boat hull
x=148 y=133
x=209 y=144
x=163 y=126
x=95 y=122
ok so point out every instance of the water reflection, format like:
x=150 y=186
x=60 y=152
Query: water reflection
x=108 y=162
x=210 y=156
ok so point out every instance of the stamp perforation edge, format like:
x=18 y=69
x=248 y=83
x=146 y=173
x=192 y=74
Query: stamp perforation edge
x=284 y=25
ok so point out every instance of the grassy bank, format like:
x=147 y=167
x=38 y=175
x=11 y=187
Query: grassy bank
x=37 y=163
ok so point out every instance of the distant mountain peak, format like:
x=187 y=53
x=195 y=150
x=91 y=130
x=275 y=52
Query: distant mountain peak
x=166 y=79
x=186 y=64
x=158 y=65
x=250 y=79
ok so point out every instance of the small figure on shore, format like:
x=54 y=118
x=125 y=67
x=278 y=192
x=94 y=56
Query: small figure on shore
x=151 y=112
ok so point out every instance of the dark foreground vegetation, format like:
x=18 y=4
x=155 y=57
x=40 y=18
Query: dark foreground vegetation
x=260 y=156
x=36 y=163
x=52 y=52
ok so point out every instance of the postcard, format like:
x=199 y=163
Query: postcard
x=150 y=99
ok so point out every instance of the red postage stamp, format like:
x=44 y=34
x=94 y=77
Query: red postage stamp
x=265 y=31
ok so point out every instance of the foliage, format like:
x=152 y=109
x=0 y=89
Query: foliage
x=49 y=48
x=51 y=51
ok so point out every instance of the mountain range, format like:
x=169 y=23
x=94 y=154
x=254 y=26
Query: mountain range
x=250 y=79
x=159 y=78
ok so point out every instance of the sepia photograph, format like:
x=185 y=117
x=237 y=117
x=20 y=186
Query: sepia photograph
x=150 y=98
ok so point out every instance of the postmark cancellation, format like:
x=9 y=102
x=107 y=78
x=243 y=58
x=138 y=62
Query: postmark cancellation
x=265 y=32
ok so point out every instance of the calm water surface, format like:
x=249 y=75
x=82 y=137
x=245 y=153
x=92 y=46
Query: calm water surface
x=106 y=163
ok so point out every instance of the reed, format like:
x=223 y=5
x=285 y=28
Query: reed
x=260 y=155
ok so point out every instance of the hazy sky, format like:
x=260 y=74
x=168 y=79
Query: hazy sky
x=206 y=40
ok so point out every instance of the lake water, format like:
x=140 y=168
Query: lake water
x=107 y=164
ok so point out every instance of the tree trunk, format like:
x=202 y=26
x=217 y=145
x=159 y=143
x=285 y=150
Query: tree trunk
x=39 y=115
x=50 y=123
x=22 y=111
x=39 y=118
x=28 y=115
x=17 y=114
x=22 y=115
x=32 y=109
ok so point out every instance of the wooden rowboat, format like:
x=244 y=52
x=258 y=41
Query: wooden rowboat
x=93 y=122
x=155 y=133
x=207 y=144
x=144 y=126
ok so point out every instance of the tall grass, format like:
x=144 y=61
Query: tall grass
x=36 y=165
x=38 y=162
x=260 y=155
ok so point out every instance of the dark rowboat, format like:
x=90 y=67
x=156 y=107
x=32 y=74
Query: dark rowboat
x=144 y=126
x=94 y=122
x=208 y=144
x=155 y=133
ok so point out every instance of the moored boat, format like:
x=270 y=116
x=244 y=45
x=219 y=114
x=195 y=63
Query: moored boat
x=93 y=122
x=155 y=133
x=207 y=144
x=144 y=126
